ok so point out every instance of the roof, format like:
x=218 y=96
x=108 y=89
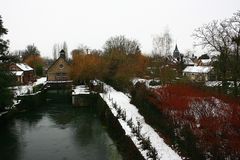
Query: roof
x=206 y=61
x=17 y=73
x=24 y=67
x=56 y=62
x=213 y=54
x=197 y=69
x=188 y=61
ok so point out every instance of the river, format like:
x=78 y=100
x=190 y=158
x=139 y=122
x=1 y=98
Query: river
x=56 y=131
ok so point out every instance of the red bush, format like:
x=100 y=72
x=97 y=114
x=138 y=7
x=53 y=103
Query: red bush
x=214 y=119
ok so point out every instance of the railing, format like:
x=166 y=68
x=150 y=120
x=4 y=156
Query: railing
x=61 y=78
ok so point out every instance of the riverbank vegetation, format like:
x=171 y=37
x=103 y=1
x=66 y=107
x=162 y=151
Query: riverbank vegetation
x=185 y=113
x=6 y=79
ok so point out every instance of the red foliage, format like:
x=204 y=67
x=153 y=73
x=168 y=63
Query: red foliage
x=214 y=119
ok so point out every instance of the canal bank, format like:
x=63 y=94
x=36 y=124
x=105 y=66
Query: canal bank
x=124 y=142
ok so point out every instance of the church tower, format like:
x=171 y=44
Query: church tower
x=62 y=54
x=176 y=53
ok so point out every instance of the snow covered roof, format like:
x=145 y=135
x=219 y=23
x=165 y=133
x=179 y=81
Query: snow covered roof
x=206 y=61
x=17 y=73
x=188 y=61
x=197 y=69
x=213 y=54
x=24 y=67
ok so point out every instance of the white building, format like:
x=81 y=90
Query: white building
x=198 y=73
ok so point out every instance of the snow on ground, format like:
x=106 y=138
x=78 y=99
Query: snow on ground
x=197 y=69
x=2 y=113
x=40 y=81
x=23 y=90
x=213 y=83
x=219 y=83
x=111 y=97
x=147 y=82
x=56 y=82
x=81 y=89
x=27 y=89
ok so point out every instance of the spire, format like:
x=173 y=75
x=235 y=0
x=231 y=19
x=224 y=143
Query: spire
x=176 y=53
x=176 y=49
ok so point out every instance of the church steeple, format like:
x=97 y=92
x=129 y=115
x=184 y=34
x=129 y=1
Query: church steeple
x=62 y=53
x=176 y=53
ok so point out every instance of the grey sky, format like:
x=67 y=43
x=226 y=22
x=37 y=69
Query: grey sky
x=92 y=22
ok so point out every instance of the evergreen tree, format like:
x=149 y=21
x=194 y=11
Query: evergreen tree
x=5 y=76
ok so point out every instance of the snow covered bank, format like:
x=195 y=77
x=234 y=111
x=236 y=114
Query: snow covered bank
x=40 y=81
x=81 y=89
x=131 y=120
x=219 y=83
x=23 y=90
x=27 y=89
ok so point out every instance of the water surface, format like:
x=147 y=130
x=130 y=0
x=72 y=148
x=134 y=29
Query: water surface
x=56 y=132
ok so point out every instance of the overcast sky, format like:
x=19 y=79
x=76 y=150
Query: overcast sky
x=92 y=22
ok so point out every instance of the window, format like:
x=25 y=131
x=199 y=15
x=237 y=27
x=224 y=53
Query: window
x=61 y=66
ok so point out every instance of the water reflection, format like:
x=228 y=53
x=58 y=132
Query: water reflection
x=56 y=131
x=10 y=147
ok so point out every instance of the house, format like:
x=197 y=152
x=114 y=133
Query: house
x=198 y=73
x=187 y=61
x=59 y=70
x=24 y=73
x=204 y=62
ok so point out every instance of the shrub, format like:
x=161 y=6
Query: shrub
x=154 y=83
x=37 y=88
x=137 y=129
x=152 y=153
x=145 y=142
x=130 y=123
x=212 y=119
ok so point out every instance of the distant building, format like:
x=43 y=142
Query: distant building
x=59 y=70
x=23 y=72
x=204 y=62
x=188 y=61
x=198 y=73
x=176 y=53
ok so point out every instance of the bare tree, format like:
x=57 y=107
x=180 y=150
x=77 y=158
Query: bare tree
x=30 y=50
x=81 y=49
x=121 y=45
x=233 y=32
x=162 y=44
x=65 y=48
x=55 y=51
x=214 y=37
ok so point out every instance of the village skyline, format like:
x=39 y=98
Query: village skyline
x=45 y=23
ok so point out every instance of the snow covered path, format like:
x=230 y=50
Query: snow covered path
x=113 y=97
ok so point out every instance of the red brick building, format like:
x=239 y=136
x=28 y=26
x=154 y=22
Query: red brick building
x=24 y=73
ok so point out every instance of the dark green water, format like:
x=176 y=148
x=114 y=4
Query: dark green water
x=56 y=132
